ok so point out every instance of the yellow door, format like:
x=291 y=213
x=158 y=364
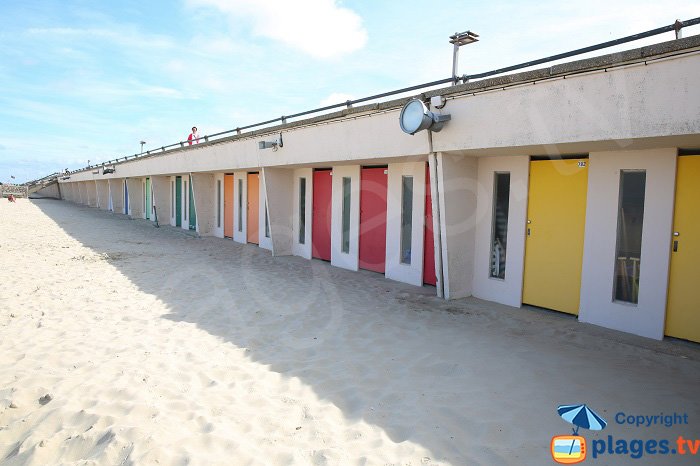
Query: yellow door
x=556 y=216
x=683 y=309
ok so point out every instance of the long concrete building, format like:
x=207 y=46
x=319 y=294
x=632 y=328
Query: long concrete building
x=573 y=188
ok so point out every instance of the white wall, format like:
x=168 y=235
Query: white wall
x=264 y=242
x=172 y=195
x=597 y=305
x=135 y=186
x=102 y=191
x=510 y=289
x=281 y=202
x=204 y=192
x=240 y=219
x=116 y=190
x=218 y=229
x=298 y=249
x=348 y=260
x=409 y=273
x=457 y=178
x=161 y=198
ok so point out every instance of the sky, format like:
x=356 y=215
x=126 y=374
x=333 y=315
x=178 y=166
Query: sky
x=89 y=79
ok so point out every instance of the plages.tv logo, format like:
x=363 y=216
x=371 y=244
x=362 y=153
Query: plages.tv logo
x=571 y=449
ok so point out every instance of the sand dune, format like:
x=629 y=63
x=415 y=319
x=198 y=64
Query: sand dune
x=157 y=347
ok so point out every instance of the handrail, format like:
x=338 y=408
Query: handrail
x=677 y=26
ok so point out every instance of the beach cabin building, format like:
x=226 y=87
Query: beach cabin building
x=571 y=188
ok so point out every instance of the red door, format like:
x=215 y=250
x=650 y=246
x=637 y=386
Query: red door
x=373 y=192
x=321 y=219
x=428 y=241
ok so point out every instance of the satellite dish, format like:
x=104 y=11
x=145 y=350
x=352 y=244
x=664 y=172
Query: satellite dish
x=415 y=117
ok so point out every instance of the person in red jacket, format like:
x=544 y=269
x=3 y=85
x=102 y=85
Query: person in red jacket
x=193 y=137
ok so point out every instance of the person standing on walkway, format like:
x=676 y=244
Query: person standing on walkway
x=193 y=137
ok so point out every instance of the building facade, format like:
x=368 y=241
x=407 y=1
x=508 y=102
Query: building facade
x=572 y=188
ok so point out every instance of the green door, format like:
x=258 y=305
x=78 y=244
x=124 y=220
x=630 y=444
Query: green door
x=178 y=201
x=193 y=213
x=148 y=207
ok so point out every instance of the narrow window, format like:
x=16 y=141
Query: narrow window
x=630 y=218
x=302 y=210
x=218 y=203
x=240 y=205
x=406 y=218
x=345 y=238
x=499 y=224
x=172 y=200
x=267 y=222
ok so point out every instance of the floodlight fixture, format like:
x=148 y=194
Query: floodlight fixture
x=107 y=171
x=415 y=117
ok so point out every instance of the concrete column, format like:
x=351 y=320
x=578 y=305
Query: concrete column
x=102 y=189
x=279 y=189
x=204 y=189
x=458 y=188
x=116 y=187
x=135 y=186
x=161 y=198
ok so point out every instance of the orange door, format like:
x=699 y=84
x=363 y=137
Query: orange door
x=253 y=216
x=228 y=206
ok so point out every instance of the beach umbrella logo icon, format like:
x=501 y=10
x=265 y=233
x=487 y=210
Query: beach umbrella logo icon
x=571 y=449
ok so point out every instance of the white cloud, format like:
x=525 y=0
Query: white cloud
x=336 y=98
x=320 y=28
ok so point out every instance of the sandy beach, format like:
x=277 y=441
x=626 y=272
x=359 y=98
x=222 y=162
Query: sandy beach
x=158 y=347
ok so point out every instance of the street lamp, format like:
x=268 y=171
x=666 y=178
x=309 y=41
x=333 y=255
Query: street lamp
x=459 y=39
x=142 y=143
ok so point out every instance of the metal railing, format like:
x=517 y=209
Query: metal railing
x=677 y=26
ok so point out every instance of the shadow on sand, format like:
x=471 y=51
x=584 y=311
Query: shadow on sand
x=455 y=377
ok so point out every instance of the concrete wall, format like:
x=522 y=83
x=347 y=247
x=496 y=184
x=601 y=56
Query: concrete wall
x=597 y=304
x=349 y=260
x=135 y=187
x=510 y=289
x=91 y=191
x=116 y=188
x=627 y=107
x=279 y=186
x=299 y=249
x=616 y=105
x=204 y=189
x=161 y=198
x=396 y=270
x=102 y=189
x=48 y=191
x=457 y=181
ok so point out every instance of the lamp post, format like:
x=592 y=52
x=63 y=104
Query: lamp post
x=459 y=39
x=142 y=143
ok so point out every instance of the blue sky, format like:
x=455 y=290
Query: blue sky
x=88 y=79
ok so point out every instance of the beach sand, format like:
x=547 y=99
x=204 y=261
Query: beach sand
x=158 y=347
